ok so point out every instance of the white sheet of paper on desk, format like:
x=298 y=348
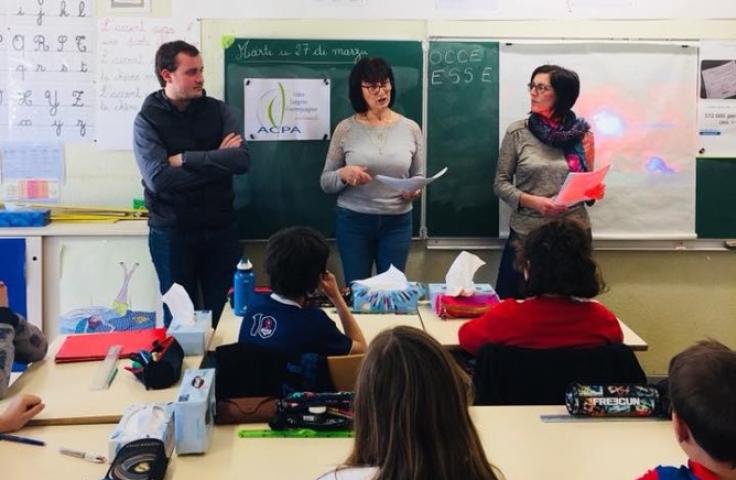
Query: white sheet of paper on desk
x=577 y=184
x=409 y=184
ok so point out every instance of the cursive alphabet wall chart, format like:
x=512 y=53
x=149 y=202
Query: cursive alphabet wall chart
x=50 y=50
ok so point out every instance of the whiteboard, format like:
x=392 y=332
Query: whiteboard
x=640 y=102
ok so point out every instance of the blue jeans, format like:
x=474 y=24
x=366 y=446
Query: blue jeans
x=508 y=282
x=201 y=261
x=364 y=239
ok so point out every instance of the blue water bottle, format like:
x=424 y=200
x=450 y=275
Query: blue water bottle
x=244 y=286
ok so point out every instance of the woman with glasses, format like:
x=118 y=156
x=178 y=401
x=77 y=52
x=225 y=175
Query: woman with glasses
x=536 y=155
x=374 y=221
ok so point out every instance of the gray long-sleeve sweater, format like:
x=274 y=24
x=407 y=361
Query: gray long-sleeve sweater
x=19 y=341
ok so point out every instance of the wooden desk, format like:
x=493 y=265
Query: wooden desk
x=515 y=440
x=371 y=324
x=65 y=388
x=445 y=331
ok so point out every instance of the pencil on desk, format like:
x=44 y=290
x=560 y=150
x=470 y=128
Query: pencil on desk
x=18 y=439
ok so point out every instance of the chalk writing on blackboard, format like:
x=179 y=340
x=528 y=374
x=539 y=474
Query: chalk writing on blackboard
x=452 y=65
x=307 y=52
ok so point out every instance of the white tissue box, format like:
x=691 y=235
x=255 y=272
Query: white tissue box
x=194 y=411
x=192 y=337
x=144 y=420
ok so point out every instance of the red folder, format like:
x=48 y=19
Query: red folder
x=94 y=346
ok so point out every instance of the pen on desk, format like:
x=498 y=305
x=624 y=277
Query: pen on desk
x=83 y=455
x=26 y=440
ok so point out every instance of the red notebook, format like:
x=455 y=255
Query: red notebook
x=94 y=346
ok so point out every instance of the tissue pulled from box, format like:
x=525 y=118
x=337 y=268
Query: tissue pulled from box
x=459 y=277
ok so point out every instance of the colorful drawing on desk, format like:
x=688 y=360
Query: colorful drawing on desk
x=119 y=317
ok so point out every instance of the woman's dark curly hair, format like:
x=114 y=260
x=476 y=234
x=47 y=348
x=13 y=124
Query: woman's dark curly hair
x=558 y=258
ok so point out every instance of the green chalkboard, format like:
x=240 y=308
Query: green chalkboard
x=462 y=132
x=715 y=197
x=282 y=187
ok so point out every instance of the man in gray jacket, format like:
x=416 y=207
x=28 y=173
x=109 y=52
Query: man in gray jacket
x=188 y=147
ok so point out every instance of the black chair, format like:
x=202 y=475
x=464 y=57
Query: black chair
x=507 y=375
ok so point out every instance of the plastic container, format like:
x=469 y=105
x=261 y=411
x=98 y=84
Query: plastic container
x=244 y=285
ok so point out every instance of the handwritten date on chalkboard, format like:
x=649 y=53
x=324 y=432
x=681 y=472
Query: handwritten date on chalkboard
x=315 y=50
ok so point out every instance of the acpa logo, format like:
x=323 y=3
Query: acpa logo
x=272 y=111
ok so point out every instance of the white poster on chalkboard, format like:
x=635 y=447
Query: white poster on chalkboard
x=717 y=99
x=638 y=99
x=125 y=71
x=286 y=109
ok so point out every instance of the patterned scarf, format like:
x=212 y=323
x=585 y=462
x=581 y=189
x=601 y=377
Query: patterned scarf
x=566 y=135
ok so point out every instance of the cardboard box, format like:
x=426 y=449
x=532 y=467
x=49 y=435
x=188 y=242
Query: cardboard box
x=386 y=301
x=25 y=217
x=461 y=307
x=193 y=337
x=194 y=411
x=144 y=420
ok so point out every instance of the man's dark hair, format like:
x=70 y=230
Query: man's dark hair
x=166 y=57
x=369 y=70
x=558 y=257
x=296 y=257
x=566 y=85
x=702 y=382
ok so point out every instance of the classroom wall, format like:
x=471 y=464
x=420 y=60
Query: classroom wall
x=669 y=298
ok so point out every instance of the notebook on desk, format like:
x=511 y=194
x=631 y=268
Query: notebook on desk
x=94 y=346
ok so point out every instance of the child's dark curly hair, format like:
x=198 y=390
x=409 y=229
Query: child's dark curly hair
x=558 y=259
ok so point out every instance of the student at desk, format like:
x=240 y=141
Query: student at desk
x=411 y=415
x=560 y=278
x=19 y=340
x=702 y=385
x=296 y=263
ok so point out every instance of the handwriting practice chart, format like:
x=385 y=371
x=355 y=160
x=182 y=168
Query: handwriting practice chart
x=125 y=71
x=50 y=55
x=3 y=72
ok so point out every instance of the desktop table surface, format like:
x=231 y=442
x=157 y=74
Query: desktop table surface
x=515 y=439
x=65 y=389
x=445 y=331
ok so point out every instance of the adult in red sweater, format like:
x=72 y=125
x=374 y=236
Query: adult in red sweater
x=560 y=280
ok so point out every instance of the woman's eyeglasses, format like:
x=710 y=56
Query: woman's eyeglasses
x=539 y=87
x=373 y=88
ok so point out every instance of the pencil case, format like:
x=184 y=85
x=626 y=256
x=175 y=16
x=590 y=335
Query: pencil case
x=405 y=300
x=161 y=366
x=613 y=400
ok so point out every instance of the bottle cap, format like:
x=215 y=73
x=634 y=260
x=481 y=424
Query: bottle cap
x=244 y=264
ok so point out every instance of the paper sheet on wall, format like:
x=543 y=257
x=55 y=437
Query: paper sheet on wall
x=638 y=99
x=102 y=289
x=31 y=190
x=125 y=71
x=409 y=184
x=717 y=98
x=23 y=161
x=3 y=71
x=51 y=70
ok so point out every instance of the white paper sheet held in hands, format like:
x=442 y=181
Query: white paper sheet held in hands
x=409 y=184
x=578 y=184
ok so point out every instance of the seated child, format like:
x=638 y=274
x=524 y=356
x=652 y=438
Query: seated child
x=19 y=340
x=296 y=263
x=411 y=416
x=702 y=383
x=20 y=409
x=560 y=280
